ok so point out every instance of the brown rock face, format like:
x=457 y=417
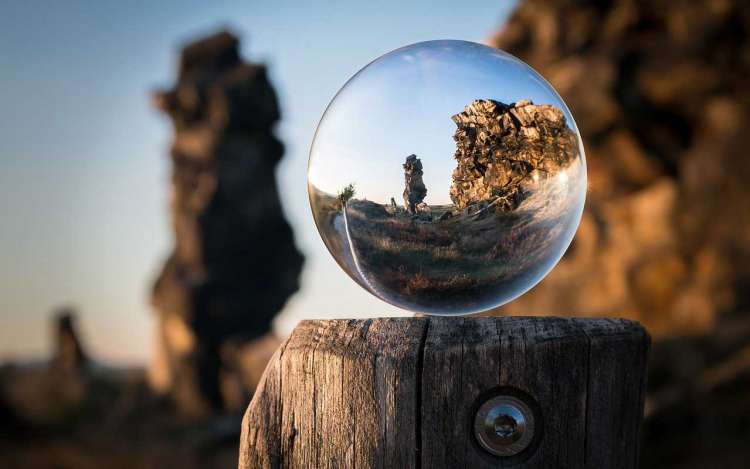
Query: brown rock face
x=415 y=190
x=659 y=92
x=234 y=263
x=660 y=96
x=500 y=146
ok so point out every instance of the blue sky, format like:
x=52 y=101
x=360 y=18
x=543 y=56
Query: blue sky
x=402 y=104
x=83 y=167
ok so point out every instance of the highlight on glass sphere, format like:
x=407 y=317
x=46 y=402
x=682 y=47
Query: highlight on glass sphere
x=447 y=177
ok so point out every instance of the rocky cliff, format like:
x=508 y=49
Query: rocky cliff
x=500 y=146
x=659 y=92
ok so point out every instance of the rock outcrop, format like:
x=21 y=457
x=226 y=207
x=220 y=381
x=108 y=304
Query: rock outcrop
x=234 y=263
x=415 y=190
x=500 y=146
x=661 y=100
x=659 y=92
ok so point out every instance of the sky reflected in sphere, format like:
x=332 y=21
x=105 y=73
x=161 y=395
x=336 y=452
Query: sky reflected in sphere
x=447 y=177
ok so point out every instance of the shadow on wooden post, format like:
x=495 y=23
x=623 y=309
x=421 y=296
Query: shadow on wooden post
x=420 y=392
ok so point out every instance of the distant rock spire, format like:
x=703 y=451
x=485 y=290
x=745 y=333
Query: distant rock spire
x=69 y=355
x=415 y=190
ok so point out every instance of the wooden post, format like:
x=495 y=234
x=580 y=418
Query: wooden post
x=435 y=393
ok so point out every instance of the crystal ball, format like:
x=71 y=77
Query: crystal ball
x=447 y=177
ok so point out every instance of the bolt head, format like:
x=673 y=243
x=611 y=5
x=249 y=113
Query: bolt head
x=504 y=425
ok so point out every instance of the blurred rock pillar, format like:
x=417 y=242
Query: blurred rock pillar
x=659 y=92
x=69 y=355
x=234 y=263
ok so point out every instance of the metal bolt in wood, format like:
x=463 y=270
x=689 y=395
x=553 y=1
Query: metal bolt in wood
x=504 y=426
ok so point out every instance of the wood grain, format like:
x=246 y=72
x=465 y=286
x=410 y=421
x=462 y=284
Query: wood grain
x=402 y=393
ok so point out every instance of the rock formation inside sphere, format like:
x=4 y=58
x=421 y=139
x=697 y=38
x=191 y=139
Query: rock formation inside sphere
x=501 y=147
x=415 y=190
x=511 y=206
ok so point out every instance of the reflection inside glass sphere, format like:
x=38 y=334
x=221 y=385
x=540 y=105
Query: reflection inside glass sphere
x=447 y=177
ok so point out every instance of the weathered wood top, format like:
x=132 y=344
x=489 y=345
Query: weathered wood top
x=403 y=392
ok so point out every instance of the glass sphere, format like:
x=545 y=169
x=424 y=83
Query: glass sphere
x=447 y=177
